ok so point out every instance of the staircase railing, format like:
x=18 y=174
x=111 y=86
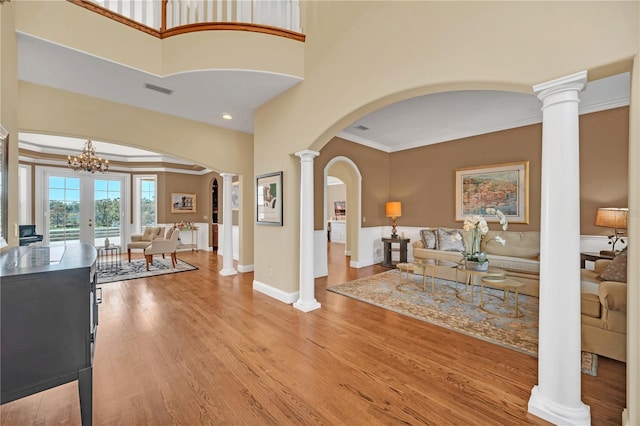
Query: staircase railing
x=164 y=18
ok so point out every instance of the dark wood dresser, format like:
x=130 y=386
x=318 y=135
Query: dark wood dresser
x=49 y=320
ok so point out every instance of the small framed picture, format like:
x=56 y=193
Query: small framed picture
x=269 y=199
x=183 y=202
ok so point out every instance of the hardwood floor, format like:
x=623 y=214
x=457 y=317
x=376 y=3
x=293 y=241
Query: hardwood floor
x=198 y=348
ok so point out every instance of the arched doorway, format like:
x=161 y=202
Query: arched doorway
x=344 y=169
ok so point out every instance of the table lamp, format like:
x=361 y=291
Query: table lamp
x=393 y=210
x=616 y=218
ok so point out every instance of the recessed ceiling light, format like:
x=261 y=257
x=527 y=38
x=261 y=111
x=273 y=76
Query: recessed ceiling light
x=227 y=116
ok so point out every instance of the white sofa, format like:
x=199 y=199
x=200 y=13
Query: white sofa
x=520 y=256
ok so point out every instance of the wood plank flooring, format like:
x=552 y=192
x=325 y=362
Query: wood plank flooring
x=198 y=348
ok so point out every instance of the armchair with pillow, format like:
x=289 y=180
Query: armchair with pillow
x=604 y=308
x=142 y=241
x=169 y=244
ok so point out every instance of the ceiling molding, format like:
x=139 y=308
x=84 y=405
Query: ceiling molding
x=363 y=141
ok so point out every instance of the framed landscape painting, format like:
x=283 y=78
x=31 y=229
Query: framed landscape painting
x=269 y=199
x=504 y=187
x=183 y=202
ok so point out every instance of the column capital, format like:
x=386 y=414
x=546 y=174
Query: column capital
x=307 y=155
x=227 y=175
x=574 y=82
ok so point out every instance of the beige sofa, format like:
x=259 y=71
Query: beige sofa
x=604 y=314
x=142 y=241
x=520 y=256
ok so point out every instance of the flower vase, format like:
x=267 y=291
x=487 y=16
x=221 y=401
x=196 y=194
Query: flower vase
x=472 y=265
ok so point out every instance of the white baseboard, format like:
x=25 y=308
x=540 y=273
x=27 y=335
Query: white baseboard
x=245 y=268
x=276 y=293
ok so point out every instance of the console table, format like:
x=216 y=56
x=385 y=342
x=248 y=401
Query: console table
x=49 y=321
x=389 y=249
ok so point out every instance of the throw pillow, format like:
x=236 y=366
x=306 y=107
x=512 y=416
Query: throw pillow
x=616 y=270
x=149 y=233
x=428 y=238
x=450 y=240
x=170 y=233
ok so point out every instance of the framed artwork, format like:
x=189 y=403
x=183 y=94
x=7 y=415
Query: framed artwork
x=183 y=202
x=502 y=186
x=340 y=208
x=269 y=199
x=235 y=196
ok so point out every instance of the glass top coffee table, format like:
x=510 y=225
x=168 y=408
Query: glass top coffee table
x=471 y=277
x=432 y=265
x=502 y=283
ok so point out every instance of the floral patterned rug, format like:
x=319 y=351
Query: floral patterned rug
x=450 y=306
x=137 y=269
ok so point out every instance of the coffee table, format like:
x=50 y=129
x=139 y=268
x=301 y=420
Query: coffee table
x=406 y=268
x=432 y=265
x=470 y=278
x=507 y=284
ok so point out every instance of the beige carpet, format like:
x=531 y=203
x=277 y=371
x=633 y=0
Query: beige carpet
x=446 y=308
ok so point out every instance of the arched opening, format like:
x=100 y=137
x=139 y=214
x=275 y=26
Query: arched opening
x=345 y=221
x=214 y=215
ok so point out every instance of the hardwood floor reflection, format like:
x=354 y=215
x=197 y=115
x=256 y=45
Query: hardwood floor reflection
x=198 y=348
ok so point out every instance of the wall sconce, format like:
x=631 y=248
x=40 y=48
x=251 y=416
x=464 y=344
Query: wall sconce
x=616 y=218
x=393 y=210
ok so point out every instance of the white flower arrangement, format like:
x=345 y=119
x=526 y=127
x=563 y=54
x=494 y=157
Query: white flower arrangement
x=477 y=224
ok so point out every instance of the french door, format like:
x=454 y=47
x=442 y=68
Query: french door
x=81 y=208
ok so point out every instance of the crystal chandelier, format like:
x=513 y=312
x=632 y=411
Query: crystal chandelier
x=87 y=161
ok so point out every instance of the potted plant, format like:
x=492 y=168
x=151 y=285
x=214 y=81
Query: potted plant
x=475 y=259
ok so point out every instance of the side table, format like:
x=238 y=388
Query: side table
x=388 y=250
x=109 y=258
x=592 y=257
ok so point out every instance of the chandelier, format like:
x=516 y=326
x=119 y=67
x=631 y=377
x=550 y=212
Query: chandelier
x=87 y=161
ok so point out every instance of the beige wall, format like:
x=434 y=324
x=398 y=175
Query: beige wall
x=8 y=111
x=424 y=178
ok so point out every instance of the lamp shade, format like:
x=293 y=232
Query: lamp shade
x=612 y=217
x=394 y=209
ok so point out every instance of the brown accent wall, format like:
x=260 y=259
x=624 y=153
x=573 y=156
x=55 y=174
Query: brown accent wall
x=604 y=165
x=424 y=178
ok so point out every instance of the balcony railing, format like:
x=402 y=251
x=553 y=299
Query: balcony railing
x=164 y=18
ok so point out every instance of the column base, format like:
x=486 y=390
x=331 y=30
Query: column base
x=227 y=272
x=307 y=306
x=557 y=414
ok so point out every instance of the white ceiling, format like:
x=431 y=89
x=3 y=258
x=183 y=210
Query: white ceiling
x=205 y=95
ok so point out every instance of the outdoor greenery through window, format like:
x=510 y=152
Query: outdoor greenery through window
x=107 y=208
x=64 y=208
x=146 y=201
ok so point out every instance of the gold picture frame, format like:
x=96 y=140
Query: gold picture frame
x=504 y=187
x=183 y=202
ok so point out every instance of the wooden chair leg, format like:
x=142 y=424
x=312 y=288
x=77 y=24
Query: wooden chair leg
x=129 y=253
x=163 y=256
x=173 y=259
x=148 y=259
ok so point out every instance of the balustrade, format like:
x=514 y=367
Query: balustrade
x=164 y=15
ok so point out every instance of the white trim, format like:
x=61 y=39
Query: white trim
x=63 y=164
x=364 y=141
x=275 y=293
x=245 y=268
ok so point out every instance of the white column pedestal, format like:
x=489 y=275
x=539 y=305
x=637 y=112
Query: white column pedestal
x=556 y=398
x=307 y=301
x=227 y=226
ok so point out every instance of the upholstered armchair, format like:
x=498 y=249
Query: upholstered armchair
x=142 y=241
x=604 y=309
x=167 y=245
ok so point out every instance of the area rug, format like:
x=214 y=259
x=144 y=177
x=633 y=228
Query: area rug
x=137 y=269
x=447 y=308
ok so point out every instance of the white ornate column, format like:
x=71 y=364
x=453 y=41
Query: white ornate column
x=556 y=398
x=227 y=226
x=307 y=301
